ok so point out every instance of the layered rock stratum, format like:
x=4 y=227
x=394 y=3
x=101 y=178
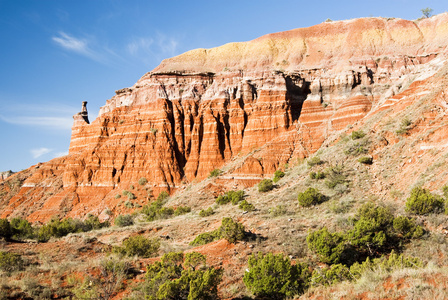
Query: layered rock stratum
x=248 y=108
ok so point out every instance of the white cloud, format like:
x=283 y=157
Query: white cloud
x=71 y=43
x=140 y=44
x=36 y=153
x=59 y=123
x=158 y=47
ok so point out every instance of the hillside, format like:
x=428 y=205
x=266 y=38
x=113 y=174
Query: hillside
x=362 y=102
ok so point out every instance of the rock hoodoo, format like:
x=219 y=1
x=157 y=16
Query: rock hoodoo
x=265 y=102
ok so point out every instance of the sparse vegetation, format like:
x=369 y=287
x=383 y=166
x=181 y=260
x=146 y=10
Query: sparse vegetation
x=215 y=173
x=231 y=196
x=314 y=161
x=124 y=220
x=246 y=206
x=422 y=202
x=230 y=230
x=142 y=181
x=357 y=135
x=273 y=276
x=138 y=246
x=405 y=126
x=317 y=175
x=10 y=262
x=265 y=185
x=278 y=175
x=427 y=12
x=278 y=210
x=207 y=212
x=367 y=160
x=311 y=197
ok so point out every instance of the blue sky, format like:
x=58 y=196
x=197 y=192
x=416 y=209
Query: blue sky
x=56 y=53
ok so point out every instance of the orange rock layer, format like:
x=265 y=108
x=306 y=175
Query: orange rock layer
x=269 y=101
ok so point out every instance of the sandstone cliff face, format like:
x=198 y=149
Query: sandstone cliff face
x=266 y=102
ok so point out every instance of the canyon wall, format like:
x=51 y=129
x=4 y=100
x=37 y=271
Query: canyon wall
x=263 y=103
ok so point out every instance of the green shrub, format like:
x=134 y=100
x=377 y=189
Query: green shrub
x=278 y=175
x=58 y=228
x=407 y=228
x=139 y=246
x=177 y=278
x=142 y=181
x=405 y=126
x=246 y=206
x=163 y=196
x=330 y=247
x=5 y=229
x=317 y=175
x=311 y=197
x=21 y=228
x=124 y=220
x=422 y=202
x=272 y=276
x=117 y=196
x=205 y=238
x=367 y=160
x=205 y=213
x=384 y=263
x=358 y=135
x=93 y=223
x=231 y=231
x=265 y=185
x=231 y=196
x=10 y=262
x=330 y=275
x=314 y=161
x=181 y=210
x=335 y=176
x=215 y=173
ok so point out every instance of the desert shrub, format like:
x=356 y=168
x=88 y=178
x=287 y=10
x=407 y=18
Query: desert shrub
x=93 y=223
x=142 y=181
x=357 y=135
x=317 y=175
x=385 y=263
x=405 y=126
x=422 y=202
x=314 y=161
x=117 y=196
x=21 y=228
x=372 y=228
x=128 y=204
x=205 y=238
x=265 y=185
x=5 y=229
x=407 y=228
x=231 y=231
x=163 y=196
x=367 y=160
x=58 y=228
x=106 y=280
x=331 y=275
x=138 y=246
x=311 y=197
x=278 y=175
x=246 y=206
x=181 y=210
x=10 y=262
x=214 y=173
x=273 y=276
x=278 y=210
x=176 y=277
x=124 y=220
x=207 y=212
x=330 y=247
x=231 y=196
x=335 y=176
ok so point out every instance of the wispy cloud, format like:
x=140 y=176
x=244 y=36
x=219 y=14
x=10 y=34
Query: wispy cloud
x=158 y=47
x=36 y=153
x=47 y=116
x=85 y=47
x=59 y=154
x=53 y=122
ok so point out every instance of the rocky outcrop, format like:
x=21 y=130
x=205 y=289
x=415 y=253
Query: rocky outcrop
x=265 y=102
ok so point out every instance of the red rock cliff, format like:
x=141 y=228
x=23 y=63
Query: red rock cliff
x=270 y=100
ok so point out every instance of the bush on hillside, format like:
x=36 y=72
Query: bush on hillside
x=142 y=181
x=5 y=229
x=230 y=230
x=357 y=135
x=124 y=220
x=317 y=175
x=21 y=228
x=272 y=276
x=367 y=160
x=207 y=212
x=422 y=202
x=265 y=185
x=214 y=173
x=314 y=161
x=10 y=262
x=231 y=196
x=407 y=228
x=246 y=206
x=311 y=197
x=330 y=275
x=278 y=175
x=138 y=246
x=328 y=246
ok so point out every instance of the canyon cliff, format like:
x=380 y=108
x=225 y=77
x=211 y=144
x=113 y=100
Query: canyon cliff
x=263 y=103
